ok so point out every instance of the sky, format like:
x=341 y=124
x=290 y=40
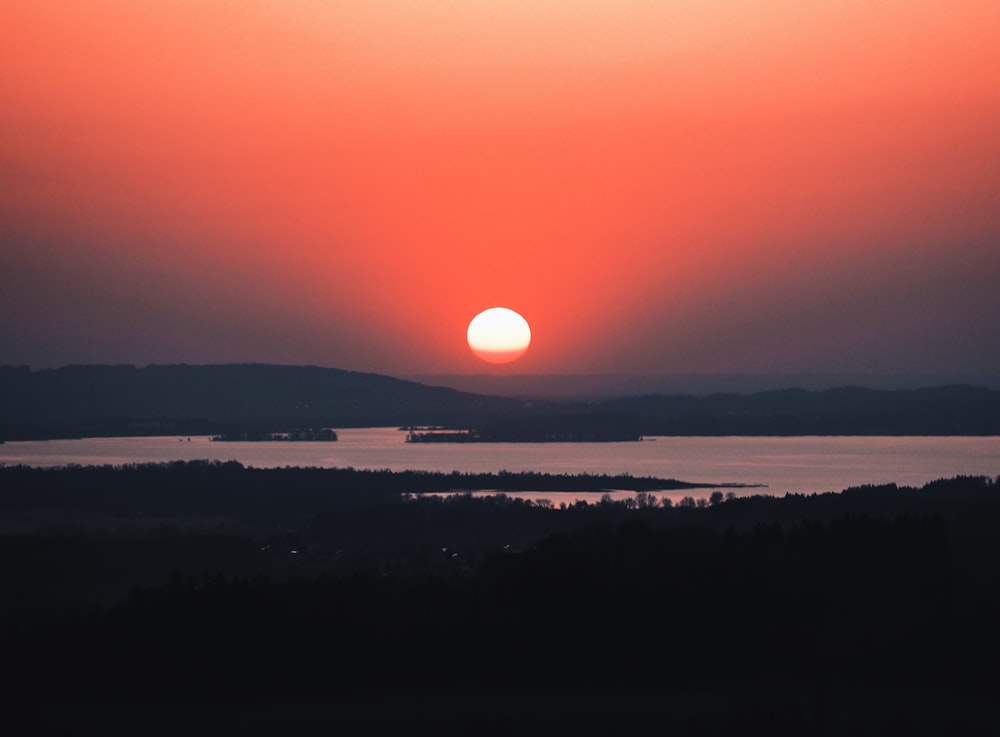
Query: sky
x=689 y=186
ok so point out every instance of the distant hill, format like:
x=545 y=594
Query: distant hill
x=181 y=399
x=946 y=410
x=82 y=401
x=607 y=386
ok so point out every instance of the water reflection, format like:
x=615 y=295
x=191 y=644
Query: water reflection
x=783 y=464
x=673 y=497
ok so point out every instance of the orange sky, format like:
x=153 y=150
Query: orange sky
x=656 y=186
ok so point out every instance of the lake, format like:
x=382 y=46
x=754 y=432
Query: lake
x=783 y=464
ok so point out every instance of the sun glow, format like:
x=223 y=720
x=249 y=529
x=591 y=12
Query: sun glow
x=498 y=335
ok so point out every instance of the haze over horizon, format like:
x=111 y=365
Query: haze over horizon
x=721 y=188
x=620 y=385
x=606 y=386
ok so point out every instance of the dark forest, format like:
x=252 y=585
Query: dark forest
x=235 y=599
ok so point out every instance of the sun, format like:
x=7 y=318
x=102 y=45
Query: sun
x=498 y=335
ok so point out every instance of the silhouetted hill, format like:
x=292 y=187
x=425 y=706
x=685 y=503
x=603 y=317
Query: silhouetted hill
x=946 y=410
x=868 y=612
x=78 y=401
x=183 y=399
x=592 y=387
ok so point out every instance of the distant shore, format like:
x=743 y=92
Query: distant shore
x=117 y=401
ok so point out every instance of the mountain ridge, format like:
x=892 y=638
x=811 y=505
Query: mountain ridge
x=187 y=399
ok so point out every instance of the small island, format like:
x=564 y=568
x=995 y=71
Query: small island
x=549 y=429
x=433 y=435
x=325 y=435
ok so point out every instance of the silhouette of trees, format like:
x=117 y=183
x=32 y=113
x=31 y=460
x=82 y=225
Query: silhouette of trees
x=879 y=590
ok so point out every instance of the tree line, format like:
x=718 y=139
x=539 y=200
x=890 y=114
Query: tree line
x=882 y=594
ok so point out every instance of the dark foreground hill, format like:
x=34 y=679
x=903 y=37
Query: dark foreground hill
x=347 y=608
x=254 y=399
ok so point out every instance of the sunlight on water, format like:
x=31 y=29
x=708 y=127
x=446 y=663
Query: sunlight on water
x=784 y=465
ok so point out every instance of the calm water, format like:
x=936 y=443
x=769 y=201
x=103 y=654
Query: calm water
x=802 y=464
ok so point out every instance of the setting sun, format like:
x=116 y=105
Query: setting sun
x=498 y=335
x=664 y=188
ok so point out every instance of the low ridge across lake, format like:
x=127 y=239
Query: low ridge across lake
x=324 y=434
x=572 y=429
